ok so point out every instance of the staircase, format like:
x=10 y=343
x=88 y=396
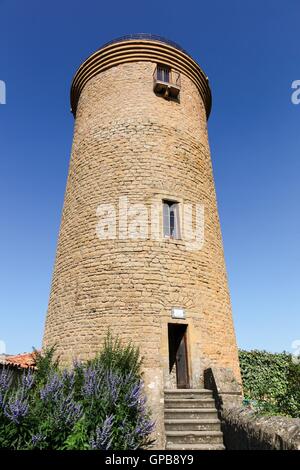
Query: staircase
x=191 y=420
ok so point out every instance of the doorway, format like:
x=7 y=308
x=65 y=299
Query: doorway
x=178 y=359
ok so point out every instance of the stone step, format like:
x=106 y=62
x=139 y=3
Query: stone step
x=192 y=425
x=194 y=437
x=189 y=403
x=188 y=393
x=191 y=413
x=195 y=447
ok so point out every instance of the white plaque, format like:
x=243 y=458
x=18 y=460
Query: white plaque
x=178 y=312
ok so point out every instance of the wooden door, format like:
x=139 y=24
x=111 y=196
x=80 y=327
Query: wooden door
x=178 y=353
x=181 y=364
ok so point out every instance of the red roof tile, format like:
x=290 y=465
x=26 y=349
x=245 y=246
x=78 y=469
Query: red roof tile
x=24 y=360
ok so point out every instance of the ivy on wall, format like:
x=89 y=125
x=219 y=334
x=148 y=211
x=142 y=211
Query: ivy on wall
x=271 y=381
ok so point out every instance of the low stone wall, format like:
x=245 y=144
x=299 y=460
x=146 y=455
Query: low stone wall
x=245 y=430
x=242 y=427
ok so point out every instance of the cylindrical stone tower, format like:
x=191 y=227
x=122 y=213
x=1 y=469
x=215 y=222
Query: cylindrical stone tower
x=140 y=185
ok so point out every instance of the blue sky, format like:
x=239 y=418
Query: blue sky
x=250 y=51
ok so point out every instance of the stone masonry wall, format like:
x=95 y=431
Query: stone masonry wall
x=130 y=142
x=243 y=429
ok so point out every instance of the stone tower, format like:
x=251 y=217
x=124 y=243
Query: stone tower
x=140 y=247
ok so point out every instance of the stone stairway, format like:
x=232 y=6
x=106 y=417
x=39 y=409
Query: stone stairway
x=191 y=420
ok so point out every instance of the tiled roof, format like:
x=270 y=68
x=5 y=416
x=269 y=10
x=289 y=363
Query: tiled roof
x=24 y=360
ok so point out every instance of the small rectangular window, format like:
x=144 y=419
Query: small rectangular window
x=166 y=82
x=163 y=73
x=171 y=219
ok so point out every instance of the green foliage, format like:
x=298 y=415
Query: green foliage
x=46 y=364
x=272 y=381
x=121 y=358
x=79 y=438
x=263 y=374
x=96 y=405
x=289 y=403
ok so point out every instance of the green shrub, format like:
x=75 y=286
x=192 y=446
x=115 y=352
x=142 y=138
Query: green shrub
x=289 y=403
x=272 y=381
x=97 y=405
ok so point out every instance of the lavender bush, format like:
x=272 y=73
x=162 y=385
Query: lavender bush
x=97 y=405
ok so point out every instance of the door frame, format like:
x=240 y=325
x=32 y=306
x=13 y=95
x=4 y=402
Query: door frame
x=184 y=326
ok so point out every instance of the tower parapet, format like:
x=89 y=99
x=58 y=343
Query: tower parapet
x=135 y=48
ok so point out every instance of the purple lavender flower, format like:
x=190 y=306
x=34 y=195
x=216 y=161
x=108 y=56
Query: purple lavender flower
x=77 y=364
x=144 y=427
x=137 y=437
x=114 y=382
x=68 y=411
x=5 y=379
x=27 y=380
x=135 y=397
x=52 y=388
x=128 y=378
x=92 y=382
x=16 y=410
x=65 y=374
x=37 y=439
x=103 y=438
x=68 y=378
x=131 y=440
